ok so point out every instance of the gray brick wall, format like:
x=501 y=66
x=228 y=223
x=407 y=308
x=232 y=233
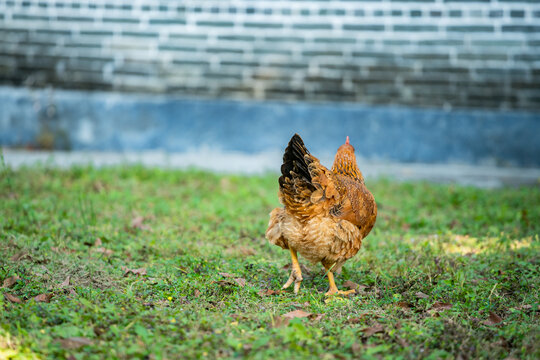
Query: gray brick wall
x=450 y=53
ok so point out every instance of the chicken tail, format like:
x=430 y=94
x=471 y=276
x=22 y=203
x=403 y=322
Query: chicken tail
x=294 y=162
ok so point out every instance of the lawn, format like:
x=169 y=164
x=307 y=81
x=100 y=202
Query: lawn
x=129 y=262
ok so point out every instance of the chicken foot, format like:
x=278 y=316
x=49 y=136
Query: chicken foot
x=333 y=288
x=296 y=273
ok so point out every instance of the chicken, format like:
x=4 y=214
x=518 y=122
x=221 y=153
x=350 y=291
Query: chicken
x=326 y=213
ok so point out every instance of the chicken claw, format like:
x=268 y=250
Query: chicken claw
x=333 y=288
x=296 y=273
x=339 y=292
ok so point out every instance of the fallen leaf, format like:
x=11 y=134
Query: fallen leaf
x=439 y=306
x=421 y=295
x=297 y=314
x=356 y=348
x=354 y=286
x=279 y=321
x=224 y=282
x=269 y=292
x=196 y=293
x=10 y=281
x=75 y=342
x=351 y=285
x=315 y=317
x=403 y=304
x=13 y=298
x=137 y=223
x=138 y=272
x=20 y=256
x=227 y=275
x=240 y=281
x=298 y=305
x=102 y=250
x=43 y=298
x=98 y=242
x=493 y=320
x=65 y=283
x=376 y=328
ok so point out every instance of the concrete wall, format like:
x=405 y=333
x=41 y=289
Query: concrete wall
x=119 y=122
x=451 y=53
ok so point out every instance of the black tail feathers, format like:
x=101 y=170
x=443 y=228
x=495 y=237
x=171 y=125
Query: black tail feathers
x=293 y=160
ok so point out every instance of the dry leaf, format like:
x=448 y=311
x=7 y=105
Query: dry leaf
x=98 y=242
x=316 y=317
x=240 y=281
x=298 y=305
x=356 y=348
x=65 y=283
x=196 y=293
x=75 y=342
x=10 y=281
x=227 y=275
x=403 y=304
x=137 y=223
x=224 y=282
x=138 y=272
x=376 y=328
x=493 y=320
x=353 y=286
x=13 y=298
x=439 y=306
x=43 y=298
x=421 y=295
x=269 y=292
x=297 y=314
x=19 y=256
x=279 y=321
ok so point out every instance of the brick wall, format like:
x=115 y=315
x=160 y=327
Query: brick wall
x=451 y=53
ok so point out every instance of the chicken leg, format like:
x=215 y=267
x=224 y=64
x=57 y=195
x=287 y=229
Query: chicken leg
x=296 y=273
x=333 y=288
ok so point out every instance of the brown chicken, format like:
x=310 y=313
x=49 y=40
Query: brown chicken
x=326 y=213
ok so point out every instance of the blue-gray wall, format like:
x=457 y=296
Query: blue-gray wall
x=120 y=122
x=435 y=53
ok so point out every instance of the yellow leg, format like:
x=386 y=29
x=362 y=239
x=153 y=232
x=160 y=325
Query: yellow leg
x=296 y=273
x=333 y=288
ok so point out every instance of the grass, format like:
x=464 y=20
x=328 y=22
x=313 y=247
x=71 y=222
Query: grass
x=441 y=269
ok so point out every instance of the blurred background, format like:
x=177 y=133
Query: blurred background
x=417 y=85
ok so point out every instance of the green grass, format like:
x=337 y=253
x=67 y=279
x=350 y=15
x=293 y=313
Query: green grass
x=477 y=250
